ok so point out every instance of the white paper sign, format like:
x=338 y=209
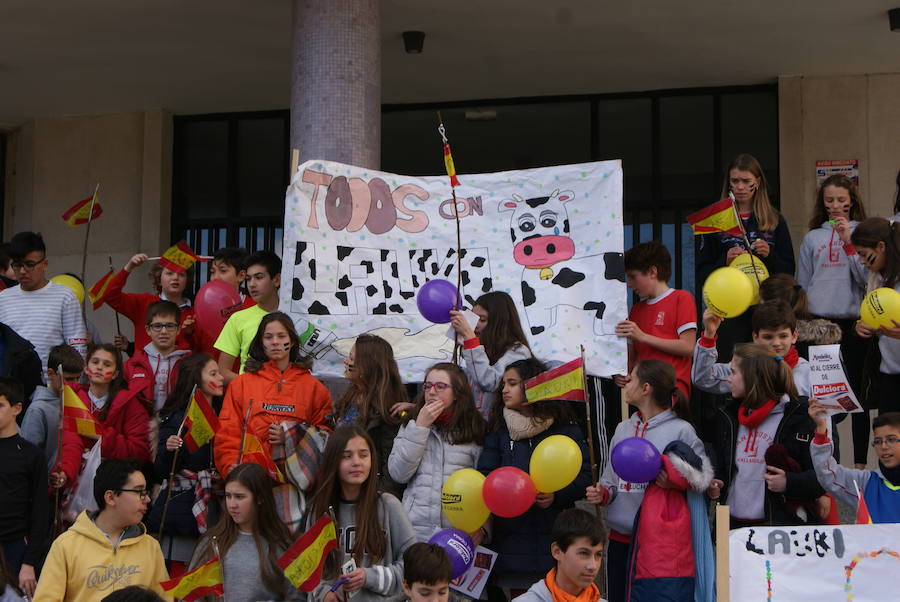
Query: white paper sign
x=828 y=382
x=472 y=582
x=825 y=563
x=359 y=244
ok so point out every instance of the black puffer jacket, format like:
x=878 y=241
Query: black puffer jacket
x=795 y=432
x=20 y=361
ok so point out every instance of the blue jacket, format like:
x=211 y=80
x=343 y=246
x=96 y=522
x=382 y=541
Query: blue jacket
x=523 y=542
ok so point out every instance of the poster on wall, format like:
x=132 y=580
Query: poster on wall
x=847 y=167
x=845 y=562
x=359 y=243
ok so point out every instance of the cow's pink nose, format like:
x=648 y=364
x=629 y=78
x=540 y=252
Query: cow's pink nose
x=543 y=250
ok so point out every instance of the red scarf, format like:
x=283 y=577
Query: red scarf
x=792 y=357
x=444 y=417
x=753 y=418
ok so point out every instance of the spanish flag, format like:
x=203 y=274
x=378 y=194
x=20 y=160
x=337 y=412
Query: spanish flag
x=76 y=416
x=862 y=510
x=79 y=212
x=254 y=452
x=562 y=382
x=178 y=257
x=205 y=580
x=201 y=422
x=718 y=217
x=302 y=562
x=451 y=168
x=97 y=292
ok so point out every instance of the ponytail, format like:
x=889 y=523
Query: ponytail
x=665 y=392
x=766 y=375
x=875 y=230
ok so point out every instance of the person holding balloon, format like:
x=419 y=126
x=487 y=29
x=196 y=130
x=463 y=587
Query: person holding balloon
x=877 y=241
x=443 y=434
x=496 y=341
x=541 y=438
x=765 y=424
x=661 y=418
x=375 y=390
x=373 y=529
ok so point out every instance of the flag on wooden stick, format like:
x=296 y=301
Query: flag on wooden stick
x=83 y=211
x=254 y=452
x=205 y=580
x=178 y=257
x=302 y=562
x=97 y=293
x=562 y=382
x=718 y=217
x=76 y=415
x=448 y=163
x=201 y=422
x=862 y=510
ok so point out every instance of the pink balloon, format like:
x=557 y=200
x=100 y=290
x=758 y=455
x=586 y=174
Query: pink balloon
x=214 y=303
x=508 y=491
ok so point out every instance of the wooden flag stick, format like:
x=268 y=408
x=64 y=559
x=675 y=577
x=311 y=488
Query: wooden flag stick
x=590 y=427
x=165 y=510
x=57 y=523
x=456 y=345
x=244 y=430
x=723 y=524
x=118 y=325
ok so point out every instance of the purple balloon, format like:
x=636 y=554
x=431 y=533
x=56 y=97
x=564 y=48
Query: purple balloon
x=636 y=460
x=458 y=546
x=435 y=299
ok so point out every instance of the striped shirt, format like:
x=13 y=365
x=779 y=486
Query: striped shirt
x=46 y=317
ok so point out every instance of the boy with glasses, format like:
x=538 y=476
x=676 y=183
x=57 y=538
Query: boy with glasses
x=42 y=312
x=157 y=362
x=880 y=488
x=107 y=550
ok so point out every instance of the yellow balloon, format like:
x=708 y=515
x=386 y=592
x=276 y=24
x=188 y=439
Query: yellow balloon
x=880 y=308
x=727 y=292
x=555 y=463
x=462 y=501
x=749 y=264
x=72 y=284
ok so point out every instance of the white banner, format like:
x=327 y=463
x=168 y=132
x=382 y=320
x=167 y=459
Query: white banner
x=825 y=563
x=358 y=244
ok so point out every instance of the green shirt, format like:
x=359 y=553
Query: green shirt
x=239 y=331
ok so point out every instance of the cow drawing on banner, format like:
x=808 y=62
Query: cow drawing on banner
x=553 y=276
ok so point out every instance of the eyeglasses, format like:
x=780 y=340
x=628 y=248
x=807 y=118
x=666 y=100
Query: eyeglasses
x=160 y=326
x=888 y=441
x=437 y=386
x=142 y=493
x=26 y=265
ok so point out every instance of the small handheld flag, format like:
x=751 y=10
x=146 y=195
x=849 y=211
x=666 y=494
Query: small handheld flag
x=254 y=452
x=448 y=156
x=302 y=562
x=862 y=510
x=718 y=217
x=76 y=415
x=205 y=580
x=178 y=257
x=562 y=382
x=97 y=292
x=83 y=211
x=201 y=422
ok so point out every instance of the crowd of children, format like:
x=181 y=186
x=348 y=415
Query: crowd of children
x=87 y=515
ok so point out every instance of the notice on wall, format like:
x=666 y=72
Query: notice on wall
x=847 y=167
x=828 y=381
x=845 y=562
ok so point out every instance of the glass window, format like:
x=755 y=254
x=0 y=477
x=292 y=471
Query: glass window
x=201 y=189
x=625 y=131
x=262 y=165
x=686 y=147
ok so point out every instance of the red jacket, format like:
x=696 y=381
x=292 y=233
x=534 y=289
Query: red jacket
x=134 y=307
x=140 y=374
x=293 y=395
x=125 y=432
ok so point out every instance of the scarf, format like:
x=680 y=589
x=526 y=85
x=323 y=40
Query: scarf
x=753 y=418
x=588 y=594
x=892 y=475
x=521 y=426
x=792 y=357
x=444 y=417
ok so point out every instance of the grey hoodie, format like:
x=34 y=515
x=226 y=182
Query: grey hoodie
x=834 y=280
x=162 y=369
x=625 y=498
x=41 y=423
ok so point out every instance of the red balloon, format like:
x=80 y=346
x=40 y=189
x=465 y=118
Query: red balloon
x=508 y=491
x=214 y=303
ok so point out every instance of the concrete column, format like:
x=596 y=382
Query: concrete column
x=336 y=81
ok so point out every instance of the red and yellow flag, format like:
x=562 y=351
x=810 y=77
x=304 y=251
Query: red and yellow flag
x=205 y=580
x=862 y=510
x=97 y=292
x=718 y=217
x=448 y=163
x=254 y=452
x=76 y=416
x=201 y=422
x=302 y=562
x=562 y=382
x=79 y=212
x=178 y=257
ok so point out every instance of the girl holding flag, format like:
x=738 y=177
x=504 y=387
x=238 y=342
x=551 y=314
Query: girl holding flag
x=248 y=540
x=193 y=469
x=514 y=430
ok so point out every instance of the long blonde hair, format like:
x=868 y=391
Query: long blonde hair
x=766 y=215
